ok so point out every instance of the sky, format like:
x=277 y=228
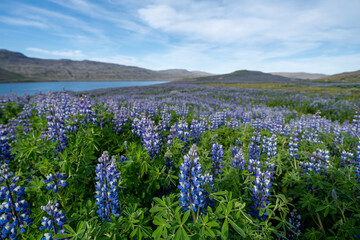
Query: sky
x=317 y=36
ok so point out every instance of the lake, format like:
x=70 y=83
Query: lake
x=44 y=87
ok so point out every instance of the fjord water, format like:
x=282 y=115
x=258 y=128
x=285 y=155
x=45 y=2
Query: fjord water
x=44 y=87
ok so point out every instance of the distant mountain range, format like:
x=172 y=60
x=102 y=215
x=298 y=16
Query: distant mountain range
x=300 y=75
x=246 y=76
x=242 y=76
x=16 y=67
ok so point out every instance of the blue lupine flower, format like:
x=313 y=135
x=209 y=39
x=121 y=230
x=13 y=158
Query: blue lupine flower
x=164 y=123
x=357 y=162
x=294 y=146
x=270 y=146
x=139 y=125
x=207 y=180
x=217 y=158
x=123 y=159
x=54 y=181
x=261 y=192
x=57 y=130
x=344 y=159
x=233 y=123
x=169 y=166
x=196 y=129
x=5 y=154
x=182 y=130
x=151 y=141
x=254 y=148
x=120 y=119
x=47 y=236
x=107 y=177
x=316 y=165
x=217 y=119
x=295 y=221
x=14 y=210
x=239 y=160
x=56 y=220
x=191 y=181
x=252 y=165
x=356 y=123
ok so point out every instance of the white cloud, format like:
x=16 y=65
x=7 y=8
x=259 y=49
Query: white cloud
x=22 y=22
x=223 y=36
x=120 y=19
x=255 y=21
x=58 y=23
x=68 y=54
x=197 y=57
x=119 y=59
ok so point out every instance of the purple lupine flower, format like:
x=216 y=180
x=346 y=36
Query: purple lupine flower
x=357 y=162
x=57 y=130
x=164 y=123
x=107 y=179
x=55 y=181
x=344 y=159
x=261 y=192
x=254 y=148
x=208 y=181
x=169 y=167
x=218 y=119
x=295 y=221
x=123 y=159
x=138 y=126
x=217 y=158
x=270 y=146
x=120 y=119
x=196 y=129
x=182 y=130
x=315 y=164
x=294 y=146
x=239 y=160
x=56 y=220
x=5 y=154
x=191 y=181
x=14 y=210
x=151 y=141
x=233 y=123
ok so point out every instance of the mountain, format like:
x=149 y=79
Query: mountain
x=300 y=75
x=184 y=73
x=10 y=76
x=349 y=77
x=18 y=67
x=241 y=76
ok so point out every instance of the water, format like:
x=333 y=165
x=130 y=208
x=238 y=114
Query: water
x=44 y=87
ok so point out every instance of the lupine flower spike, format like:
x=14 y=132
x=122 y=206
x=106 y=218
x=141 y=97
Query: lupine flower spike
x=107 y=177
x=190 y=179
x=14 y=210
x=56 y=220
x=55 y=181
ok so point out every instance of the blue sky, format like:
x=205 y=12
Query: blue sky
x=319 y=36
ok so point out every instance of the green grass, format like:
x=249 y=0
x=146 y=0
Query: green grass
x=353 y=90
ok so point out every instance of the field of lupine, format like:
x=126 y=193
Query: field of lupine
x=180 y=162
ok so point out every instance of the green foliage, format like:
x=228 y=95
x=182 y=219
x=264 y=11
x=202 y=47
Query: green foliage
x=329 y=204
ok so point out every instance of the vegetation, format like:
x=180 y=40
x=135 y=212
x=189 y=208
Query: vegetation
x=180 y=162
x=333 y=89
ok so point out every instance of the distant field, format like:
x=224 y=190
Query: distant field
x=353 y=90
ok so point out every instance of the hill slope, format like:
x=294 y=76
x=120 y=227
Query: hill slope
x=18 y=67
x=349 y=77
x=242 y=76
x=300 y=75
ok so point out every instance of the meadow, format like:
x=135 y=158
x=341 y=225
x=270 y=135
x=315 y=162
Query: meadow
x=180 y=161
